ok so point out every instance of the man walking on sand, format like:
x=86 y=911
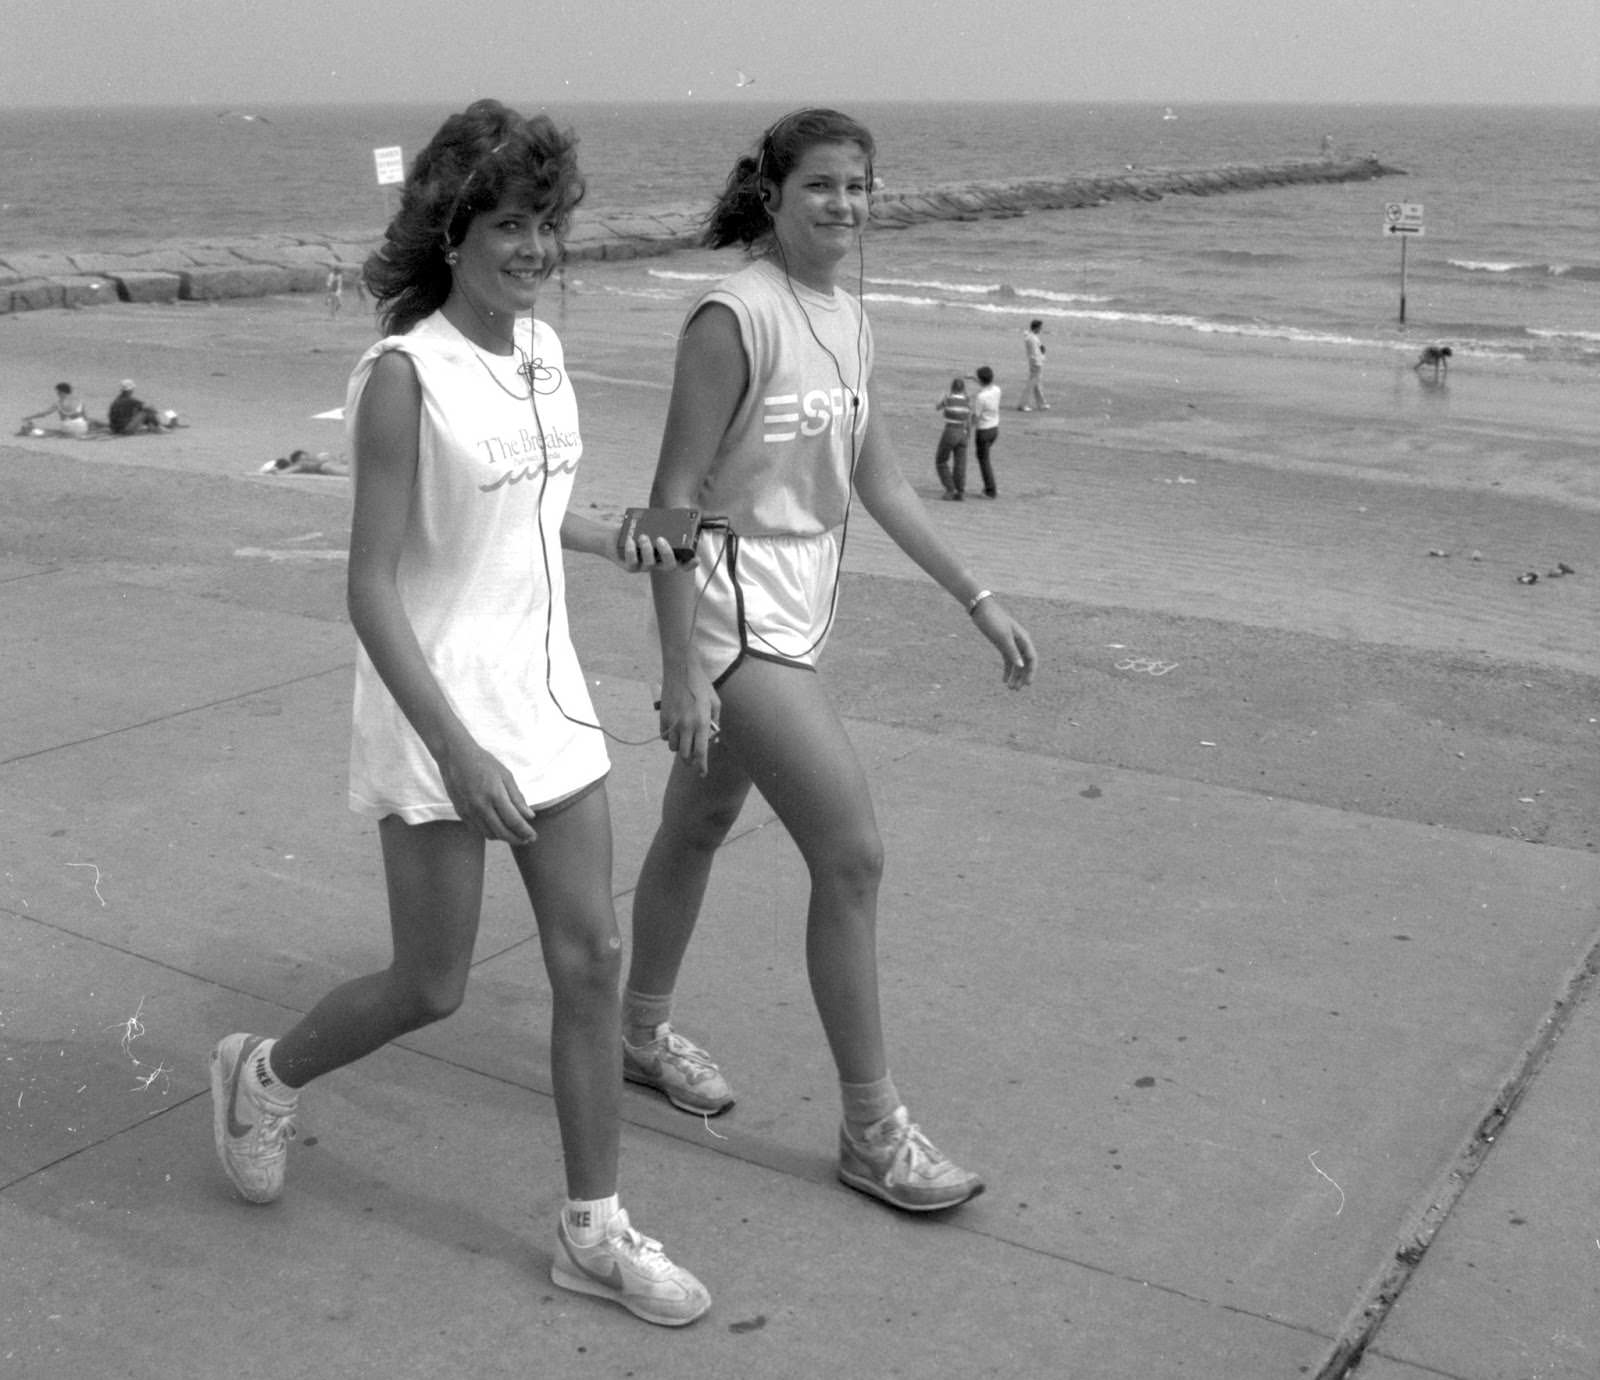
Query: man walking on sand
x=1033 y=390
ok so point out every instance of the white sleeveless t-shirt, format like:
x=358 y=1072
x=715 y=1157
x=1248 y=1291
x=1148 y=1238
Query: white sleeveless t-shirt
x=481 y=575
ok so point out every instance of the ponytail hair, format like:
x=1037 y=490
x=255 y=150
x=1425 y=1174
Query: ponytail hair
x=477 y=159
x=741 y=214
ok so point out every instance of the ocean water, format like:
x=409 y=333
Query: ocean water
x=1508 y=265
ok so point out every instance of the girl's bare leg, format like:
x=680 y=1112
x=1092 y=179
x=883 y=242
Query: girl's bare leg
x=567 y=871
x=696 y=815
x=435 y=882
x=780 y=733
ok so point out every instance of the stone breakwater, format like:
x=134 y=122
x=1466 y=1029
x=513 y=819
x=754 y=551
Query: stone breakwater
x=268 y=265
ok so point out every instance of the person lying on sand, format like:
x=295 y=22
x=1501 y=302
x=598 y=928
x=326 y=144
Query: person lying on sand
x=303 y=462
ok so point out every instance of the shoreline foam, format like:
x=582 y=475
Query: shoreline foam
x=271 y=265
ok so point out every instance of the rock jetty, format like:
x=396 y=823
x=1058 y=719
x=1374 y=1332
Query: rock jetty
x=267 y=265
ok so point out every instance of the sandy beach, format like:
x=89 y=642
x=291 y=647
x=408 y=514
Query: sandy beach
x=1327 y=552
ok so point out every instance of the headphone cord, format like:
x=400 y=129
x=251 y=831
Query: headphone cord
x=856 y=394
x=526 y=369
x=549 y=622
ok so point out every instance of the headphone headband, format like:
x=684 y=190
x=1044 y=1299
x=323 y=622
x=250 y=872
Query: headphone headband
x=768 y=145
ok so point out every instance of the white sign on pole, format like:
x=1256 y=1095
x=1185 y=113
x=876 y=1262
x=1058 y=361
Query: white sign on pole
x=1403 y=218
x=390 y=165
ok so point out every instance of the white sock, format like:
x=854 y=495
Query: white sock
x=587 y=1218
x=865 y=1104
x=258 y=1070
x=643 y=1013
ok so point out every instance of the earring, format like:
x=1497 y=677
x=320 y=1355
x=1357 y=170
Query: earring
x=452 y=258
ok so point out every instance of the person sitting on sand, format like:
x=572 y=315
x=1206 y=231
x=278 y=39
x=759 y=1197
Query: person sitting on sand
x=71 y=419
x=127 y=415
x=304 y=462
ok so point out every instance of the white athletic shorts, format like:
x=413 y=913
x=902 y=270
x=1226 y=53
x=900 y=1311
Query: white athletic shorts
x=768 y=597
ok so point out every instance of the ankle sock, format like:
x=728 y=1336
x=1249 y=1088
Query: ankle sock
x=642 y=1012
x=866 y=1103
x=258 y=1073
x=587 y=1218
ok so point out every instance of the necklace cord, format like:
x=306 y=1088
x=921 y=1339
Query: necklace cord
x=527 y=368
x=855 y=436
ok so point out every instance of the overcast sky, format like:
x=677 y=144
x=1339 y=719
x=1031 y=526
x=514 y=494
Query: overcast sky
x=231 y=53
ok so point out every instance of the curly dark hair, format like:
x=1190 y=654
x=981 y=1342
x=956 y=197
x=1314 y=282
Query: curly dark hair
x=740 y=215
x=478 y=159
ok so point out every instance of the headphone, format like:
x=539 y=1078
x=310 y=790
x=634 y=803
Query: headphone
x=767 y=150
x=461 y=196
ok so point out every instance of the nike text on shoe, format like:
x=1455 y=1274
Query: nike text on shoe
x=252 y=1130
x=631 y=1269
x=680 y=1069
x=896 y=1162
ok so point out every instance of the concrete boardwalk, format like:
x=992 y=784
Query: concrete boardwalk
x=1221 y=1057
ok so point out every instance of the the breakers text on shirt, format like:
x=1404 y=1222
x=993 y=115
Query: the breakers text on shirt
x=525 y=455
x=786 y=416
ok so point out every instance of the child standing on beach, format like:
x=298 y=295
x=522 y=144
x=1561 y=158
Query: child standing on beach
x=986 y=427
x=770 y=424
x=472 y=719
x=950 y=455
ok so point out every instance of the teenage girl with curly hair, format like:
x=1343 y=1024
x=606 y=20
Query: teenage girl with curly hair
x=472 y=721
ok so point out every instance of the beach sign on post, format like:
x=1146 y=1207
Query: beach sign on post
x=1403 y=218
x=391 y=171
x=390 y=165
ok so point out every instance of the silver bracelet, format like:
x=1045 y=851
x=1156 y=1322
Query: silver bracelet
x=978 y=598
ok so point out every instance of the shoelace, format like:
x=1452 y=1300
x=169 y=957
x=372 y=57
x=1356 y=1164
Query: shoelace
x=643 y=1249
x=917 y=1153
x=690 y=1053
x=644 y=1252
x=272 y=1130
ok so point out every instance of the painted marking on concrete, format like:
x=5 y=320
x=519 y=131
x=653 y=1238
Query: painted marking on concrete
x=262 y=553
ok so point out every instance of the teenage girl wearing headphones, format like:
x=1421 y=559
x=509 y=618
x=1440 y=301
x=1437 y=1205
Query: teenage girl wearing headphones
x=770 y=424
x=472 y=721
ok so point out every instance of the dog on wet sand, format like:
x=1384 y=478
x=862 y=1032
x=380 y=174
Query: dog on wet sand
x=1435 y=357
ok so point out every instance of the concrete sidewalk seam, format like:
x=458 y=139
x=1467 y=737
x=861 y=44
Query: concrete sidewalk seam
x=96 y=1144
x=176 y=714
x=33 y=574
x=1366 y=1319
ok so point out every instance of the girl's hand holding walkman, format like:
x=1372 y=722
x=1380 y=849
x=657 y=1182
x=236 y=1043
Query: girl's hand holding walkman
x=658 y=537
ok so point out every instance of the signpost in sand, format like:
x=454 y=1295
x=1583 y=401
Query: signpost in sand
x=391 y=170
x=1403 y=218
